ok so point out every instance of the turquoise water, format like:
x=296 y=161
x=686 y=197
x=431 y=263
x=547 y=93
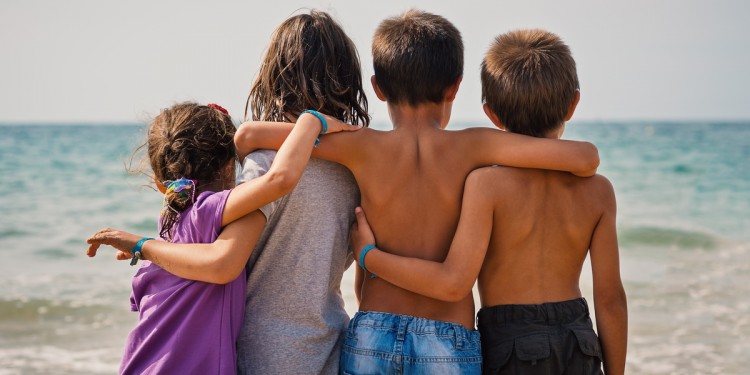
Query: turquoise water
x=683 y=194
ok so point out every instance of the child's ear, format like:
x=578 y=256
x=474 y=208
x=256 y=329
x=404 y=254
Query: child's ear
x=492 y=116
x=573 y=105
x=452 y=90
x=375 y=87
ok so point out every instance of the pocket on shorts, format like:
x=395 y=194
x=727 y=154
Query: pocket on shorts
x=532 y=348
x=588 y=342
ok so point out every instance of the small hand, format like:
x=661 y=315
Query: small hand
x=335 y=125
x=123 y=242
x=361 y=233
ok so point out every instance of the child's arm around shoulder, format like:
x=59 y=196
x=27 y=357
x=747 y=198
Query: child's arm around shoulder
x=458 y=272
x=345 y=148
x=496 y=147
x=286 y=169
x=610 y=301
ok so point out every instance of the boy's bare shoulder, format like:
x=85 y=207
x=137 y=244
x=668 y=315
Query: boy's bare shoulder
x=602 y=187
x=498 y=178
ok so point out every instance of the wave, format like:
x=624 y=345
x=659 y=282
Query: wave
x=661 y=237
x=13 y=232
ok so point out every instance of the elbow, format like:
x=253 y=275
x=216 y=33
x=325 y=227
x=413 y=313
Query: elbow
x=590 y=161
x=243 y=140
x=612 y=302
x=283 y=182
x=220 y=273
x=455 y=291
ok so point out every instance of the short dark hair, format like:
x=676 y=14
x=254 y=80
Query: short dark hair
x=310 y=63
x=529 y=81
x=416 y=57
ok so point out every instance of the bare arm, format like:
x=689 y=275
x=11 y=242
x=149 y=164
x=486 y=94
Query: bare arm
x=219 y=262
x=491 y=146
x=610 y=302
x=458 y=272
x=284 y=173
x=344 y=147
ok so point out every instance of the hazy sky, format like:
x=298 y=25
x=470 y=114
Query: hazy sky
x=121 y=61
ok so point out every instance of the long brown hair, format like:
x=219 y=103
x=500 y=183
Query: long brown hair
x=310 y=63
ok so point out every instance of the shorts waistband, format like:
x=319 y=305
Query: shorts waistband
x=551 y=312
x=381 y=320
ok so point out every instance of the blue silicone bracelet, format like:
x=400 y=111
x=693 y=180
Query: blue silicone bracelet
x=362 y=259
x=137 y=250
x=323 y=122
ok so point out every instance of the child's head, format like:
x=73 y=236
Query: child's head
x=192 y=142
x=529 y=82
x=417 y=56
x=310 y=64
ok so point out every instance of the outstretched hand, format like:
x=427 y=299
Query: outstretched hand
x=123 y=242
x=361 y=233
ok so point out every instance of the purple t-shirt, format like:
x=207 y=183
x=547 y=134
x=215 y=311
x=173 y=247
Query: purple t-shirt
x=186 y=326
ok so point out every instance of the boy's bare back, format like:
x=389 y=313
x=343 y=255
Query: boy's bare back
x=541 y=233
x=412 y=178
x=412 y=193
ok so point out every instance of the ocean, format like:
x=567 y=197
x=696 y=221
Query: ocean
x=683 y=191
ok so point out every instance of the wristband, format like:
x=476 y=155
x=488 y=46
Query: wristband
x=137 y=250
x=323 y=123
x=362 y=255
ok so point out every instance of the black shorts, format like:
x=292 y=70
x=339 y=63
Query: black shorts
x=551 y=338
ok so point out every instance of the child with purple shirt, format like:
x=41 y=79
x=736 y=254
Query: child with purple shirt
x=188 y=326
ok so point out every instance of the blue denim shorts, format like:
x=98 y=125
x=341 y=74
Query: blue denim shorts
x=382 y=343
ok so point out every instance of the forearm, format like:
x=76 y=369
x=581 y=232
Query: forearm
x=428 y=278
x=294 y=154
x=515 y=150
x=281 y=178
x=612 y=324
x=201 y=262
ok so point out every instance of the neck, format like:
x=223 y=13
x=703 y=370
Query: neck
x=420 y=116
x=556 y=133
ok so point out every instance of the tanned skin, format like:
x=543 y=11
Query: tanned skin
x=411 y=180
x=525 y=233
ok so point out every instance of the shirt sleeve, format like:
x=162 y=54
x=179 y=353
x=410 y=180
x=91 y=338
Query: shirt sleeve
x=255 y=165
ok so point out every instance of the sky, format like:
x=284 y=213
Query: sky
x=121 y=61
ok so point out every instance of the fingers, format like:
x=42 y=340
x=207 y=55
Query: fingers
x=99 y=237
x=95 y=241
x=122 y=255
x=335 y=125
x=91 y=252
x=361 y=218
x=351 y=128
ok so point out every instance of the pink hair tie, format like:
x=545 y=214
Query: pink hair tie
x=220 y=108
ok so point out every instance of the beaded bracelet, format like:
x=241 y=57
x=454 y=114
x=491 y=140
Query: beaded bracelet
x=362 y=259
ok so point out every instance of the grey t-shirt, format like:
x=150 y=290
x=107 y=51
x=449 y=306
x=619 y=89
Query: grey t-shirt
x=294 y=312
